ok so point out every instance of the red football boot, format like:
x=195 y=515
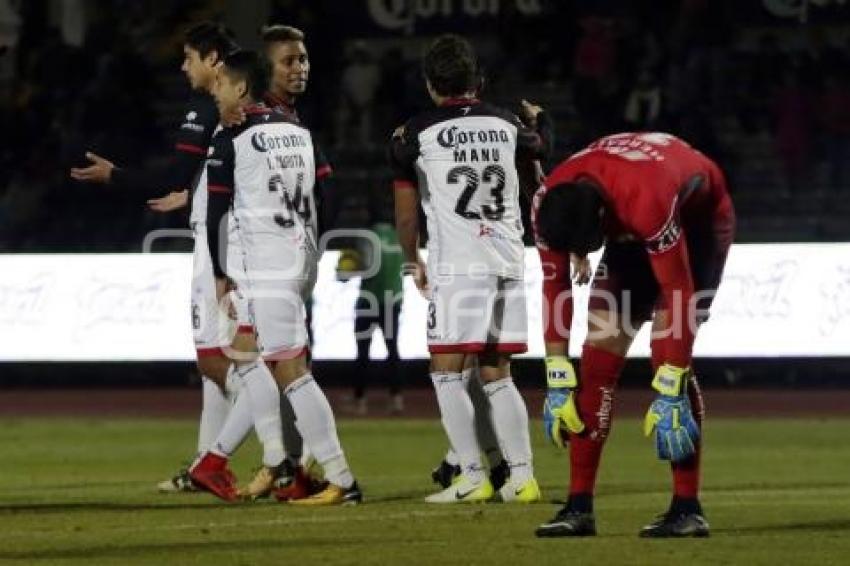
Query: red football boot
x=301 y=485
x=212 y=474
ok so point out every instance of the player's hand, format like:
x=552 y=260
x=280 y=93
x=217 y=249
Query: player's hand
x=233 y=117
x=581 y=269
x=100 y=171
x=172 y=201
x=670 y=417
x=420 y=277
x=223 y=286
x=529 y=112
x=560 y=415
x=230 y=301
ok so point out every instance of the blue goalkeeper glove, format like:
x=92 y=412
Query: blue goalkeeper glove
x=670 y=416
x=560 y=415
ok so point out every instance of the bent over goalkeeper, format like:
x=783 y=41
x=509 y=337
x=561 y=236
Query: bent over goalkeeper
x=664 y=214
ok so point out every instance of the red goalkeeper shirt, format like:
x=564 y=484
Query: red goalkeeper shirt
x=655 y=187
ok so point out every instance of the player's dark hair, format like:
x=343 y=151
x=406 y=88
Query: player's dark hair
x=207 y=37
x=450 y=66
x=280 y=33
x=569 y=218
x=252 y=68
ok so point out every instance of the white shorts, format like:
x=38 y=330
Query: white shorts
x=212 y=327
x=276 y=308
x=474 y=313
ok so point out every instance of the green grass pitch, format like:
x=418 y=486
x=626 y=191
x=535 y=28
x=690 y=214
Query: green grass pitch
x=81 y=492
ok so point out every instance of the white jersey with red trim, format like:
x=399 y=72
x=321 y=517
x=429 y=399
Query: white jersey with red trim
x=270 y=164
x=462 y=159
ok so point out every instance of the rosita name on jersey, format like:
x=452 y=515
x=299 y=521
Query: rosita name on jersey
x=287 y=161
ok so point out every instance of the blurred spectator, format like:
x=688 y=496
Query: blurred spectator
x=392 y=95
x=359 y=85
x=834 y=108
x=10 y=23
x=792 y=111
x=596 y=83
x=379 y=306
x=643 y=107
x=761 y=81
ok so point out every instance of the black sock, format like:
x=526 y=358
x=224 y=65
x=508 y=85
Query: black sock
x=686 y=506
x=580 y=502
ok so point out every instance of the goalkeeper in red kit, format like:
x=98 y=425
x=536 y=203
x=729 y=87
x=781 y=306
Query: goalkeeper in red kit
x=663 y=212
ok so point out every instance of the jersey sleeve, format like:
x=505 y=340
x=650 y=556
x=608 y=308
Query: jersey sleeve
x=557 y=295
x=196 y=129
x=557 y=286
x=668 y=256
x=403 y=153
x=220 y=186
x=181 y=168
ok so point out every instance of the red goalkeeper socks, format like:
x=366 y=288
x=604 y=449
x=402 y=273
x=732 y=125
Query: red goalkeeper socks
x=686 y=474
x=600 y=371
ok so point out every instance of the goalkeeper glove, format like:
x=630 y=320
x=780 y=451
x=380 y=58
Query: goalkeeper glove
x=560 y=415
x=670 y=416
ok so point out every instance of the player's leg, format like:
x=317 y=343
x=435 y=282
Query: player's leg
x=283 y=339
x=257 y=406
x=449 y=468
x=458 y=419
x=507 y=334
x=388 y=320
x=206 y=331
x=290 y=472
x=622 y=296
x=487 y=439
x=457 y=325
x=365 y=319
x=708 y=248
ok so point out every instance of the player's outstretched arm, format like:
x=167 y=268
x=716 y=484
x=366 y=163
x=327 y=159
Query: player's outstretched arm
x=175 y=200
x=100 y=170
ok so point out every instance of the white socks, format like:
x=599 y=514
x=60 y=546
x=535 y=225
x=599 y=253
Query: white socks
x=459 y=422
x=451 y=457
x=236 y=428
x=487 y=439
x=315 y=422
x=265 y=407
x=214 y=410
x=510 y=420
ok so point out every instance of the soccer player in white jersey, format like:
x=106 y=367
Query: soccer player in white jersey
x=267 y=168
x=204 y=48
x=460 y=161
x=286 y=51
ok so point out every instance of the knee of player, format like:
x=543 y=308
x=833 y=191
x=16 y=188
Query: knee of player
x=606 y=331
x=288 y=370
x=447 y=362
x=214 y=368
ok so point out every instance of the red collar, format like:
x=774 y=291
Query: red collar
x=257 y=109
x=460 y=101
x=275 y=100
